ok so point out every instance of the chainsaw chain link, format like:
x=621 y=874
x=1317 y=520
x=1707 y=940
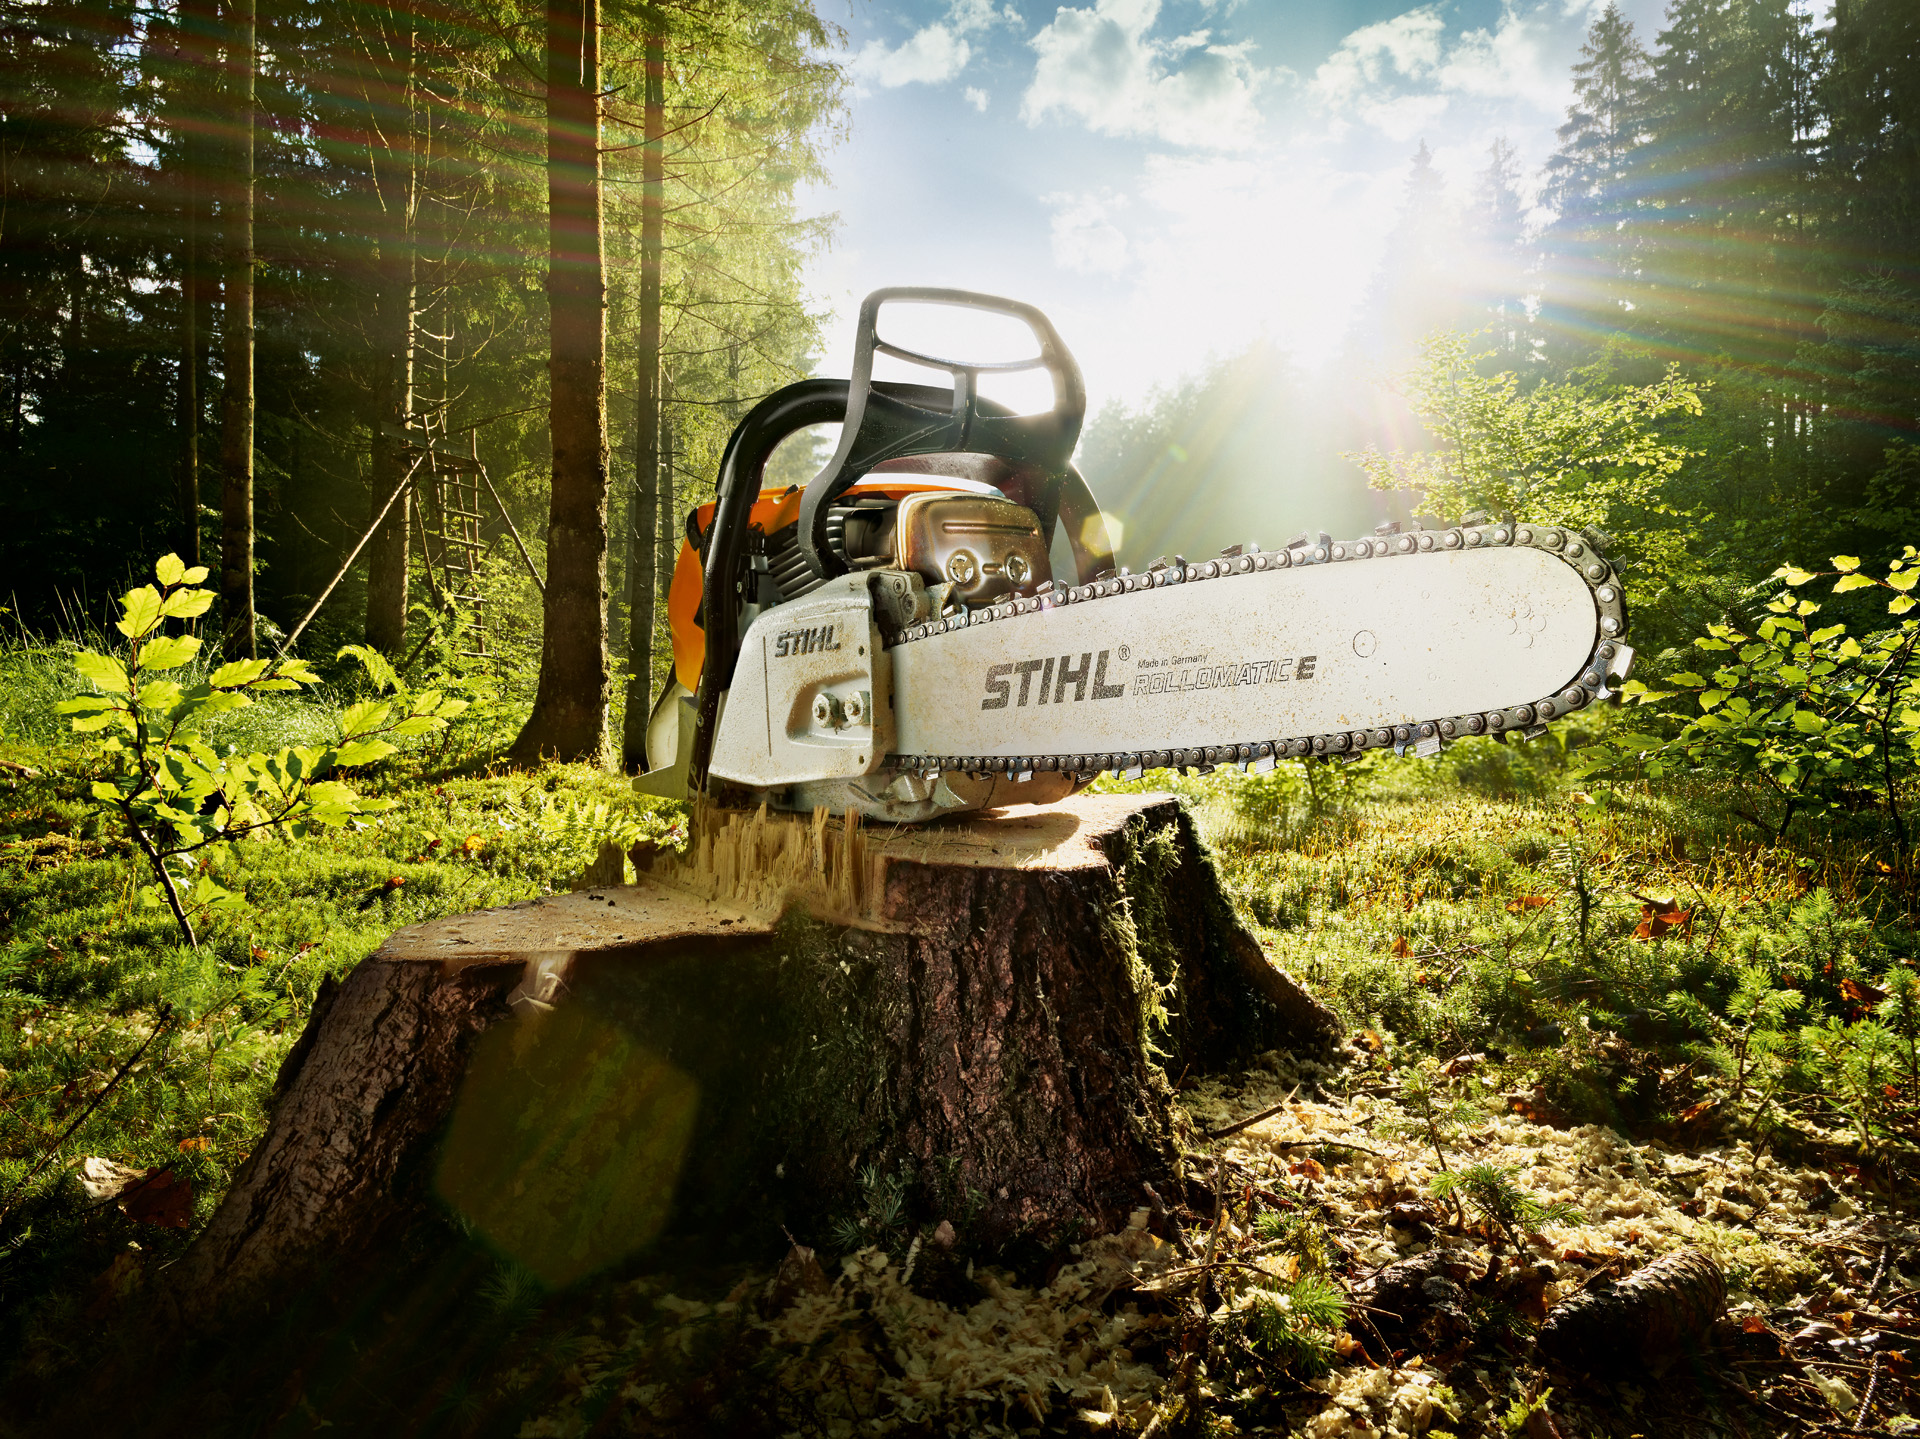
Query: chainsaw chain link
x=1579 y=549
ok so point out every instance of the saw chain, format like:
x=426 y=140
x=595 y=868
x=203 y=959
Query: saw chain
x=1579 y=550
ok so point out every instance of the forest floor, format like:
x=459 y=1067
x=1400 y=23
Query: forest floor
x=1571 y=1055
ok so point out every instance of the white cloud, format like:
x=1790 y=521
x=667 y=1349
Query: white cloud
x=1518 y=59
x=1407 y=46
x=1085 y=239
x=930 y=56
x=1103 y=67
x=933 y=54
x=1402 y=76
x=976 y=97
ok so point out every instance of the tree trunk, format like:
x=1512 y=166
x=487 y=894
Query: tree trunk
x=394 y=324
x=988 y=1012
x=646 y=421
x=569 y=718
x=187 y=392
x=667 y=547
x=236 y=426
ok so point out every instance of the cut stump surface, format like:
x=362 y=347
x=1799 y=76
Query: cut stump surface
x=799 y=1024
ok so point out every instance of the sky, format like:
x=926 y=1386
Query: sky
x=1170 y=180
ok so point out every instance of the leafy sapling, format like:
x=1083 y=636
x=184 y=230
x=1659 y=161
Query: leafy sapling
x=181 y=800
x=1818 y=718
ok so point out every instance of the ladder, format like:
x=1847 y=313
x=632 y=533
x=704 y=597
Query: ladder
x=448 y=486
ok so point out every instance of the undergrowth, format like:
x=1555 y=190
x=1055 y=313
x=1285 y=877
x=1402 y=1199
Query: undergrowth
x=1495 y=937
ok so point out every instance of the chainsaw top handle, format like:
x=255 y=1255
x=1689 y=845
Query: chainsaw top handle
x=889 y=422
x=884 y=421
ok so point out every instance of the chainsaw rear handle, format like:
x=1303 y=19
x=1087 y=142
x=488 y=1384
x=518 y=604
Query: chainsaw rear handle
x=1056 y=491
x=889 y=422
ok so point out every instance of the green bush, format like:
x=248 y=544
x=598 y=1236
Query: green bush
x=1820 y=719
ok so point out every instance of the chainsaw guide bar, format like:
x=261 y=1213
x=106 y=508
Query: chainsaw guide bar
x=1338 y=657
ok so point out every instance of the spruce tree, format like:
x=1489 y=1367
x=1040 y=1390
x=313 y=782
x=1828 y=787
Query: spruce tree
x=1587 y=250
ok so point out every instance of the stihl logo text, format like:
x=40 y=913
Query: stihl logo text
x=1057 y=682
x=805 y=642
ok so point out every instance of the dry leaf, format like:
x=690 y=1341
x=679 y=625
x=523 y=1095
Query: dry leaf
x=472 y=844
x=162 y=1198
x=1753 y=1324
x=1401 y=949
x=1527 y=902
x=194 y=1143
x=1370 y=1041
x=1657 y=923
x=1307 y=1168
x=1860 y=993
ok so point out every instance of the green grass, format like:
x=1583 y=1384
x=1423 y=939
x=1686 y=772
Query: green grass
x=1482 y=903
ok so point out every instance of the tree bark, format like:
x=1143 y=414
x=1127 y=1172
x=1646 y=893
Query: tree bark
x=395 y=176
x=647 y=415
x=990 y=1011
x=236 y=428
x=569 y=717
x=187 y=392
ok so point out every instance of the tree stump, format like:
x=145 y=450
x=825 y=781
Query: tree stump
x=795 y=1022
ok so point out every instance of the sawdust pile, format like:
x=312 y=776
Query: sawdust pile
x=875 y=1351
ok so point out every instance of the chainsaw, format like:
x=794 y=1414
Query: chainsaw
x=936 y=623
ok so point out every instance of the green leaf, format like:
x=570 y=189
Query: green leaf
x=169 y=569
x=378 y=667
x=367 y=715
x=1808 y=722
x=168 y=651
x=1710 y=698
x=418 y=725
x=299 y=670
x=1794 y=575
x=1820 y=637
x=1845 y=563
x=1903 y=580
x=187 y=604
x=235 y=673
x=102 y=790
x=1900 y=604
x=363 y=751
x=142 y=612
x=102 y=670
x=159 y=695
x=1852 y=582
x=1687 y=678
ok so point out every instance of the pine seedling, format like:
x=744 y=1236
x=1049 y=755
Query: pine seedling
x=1431 y=1113
x=1491 y=1192
x=1752 y=1045
x=1292 y=1325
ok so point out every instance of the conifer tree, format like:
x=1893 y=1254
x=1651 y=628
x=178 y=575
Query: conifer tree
x=1588 y=255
